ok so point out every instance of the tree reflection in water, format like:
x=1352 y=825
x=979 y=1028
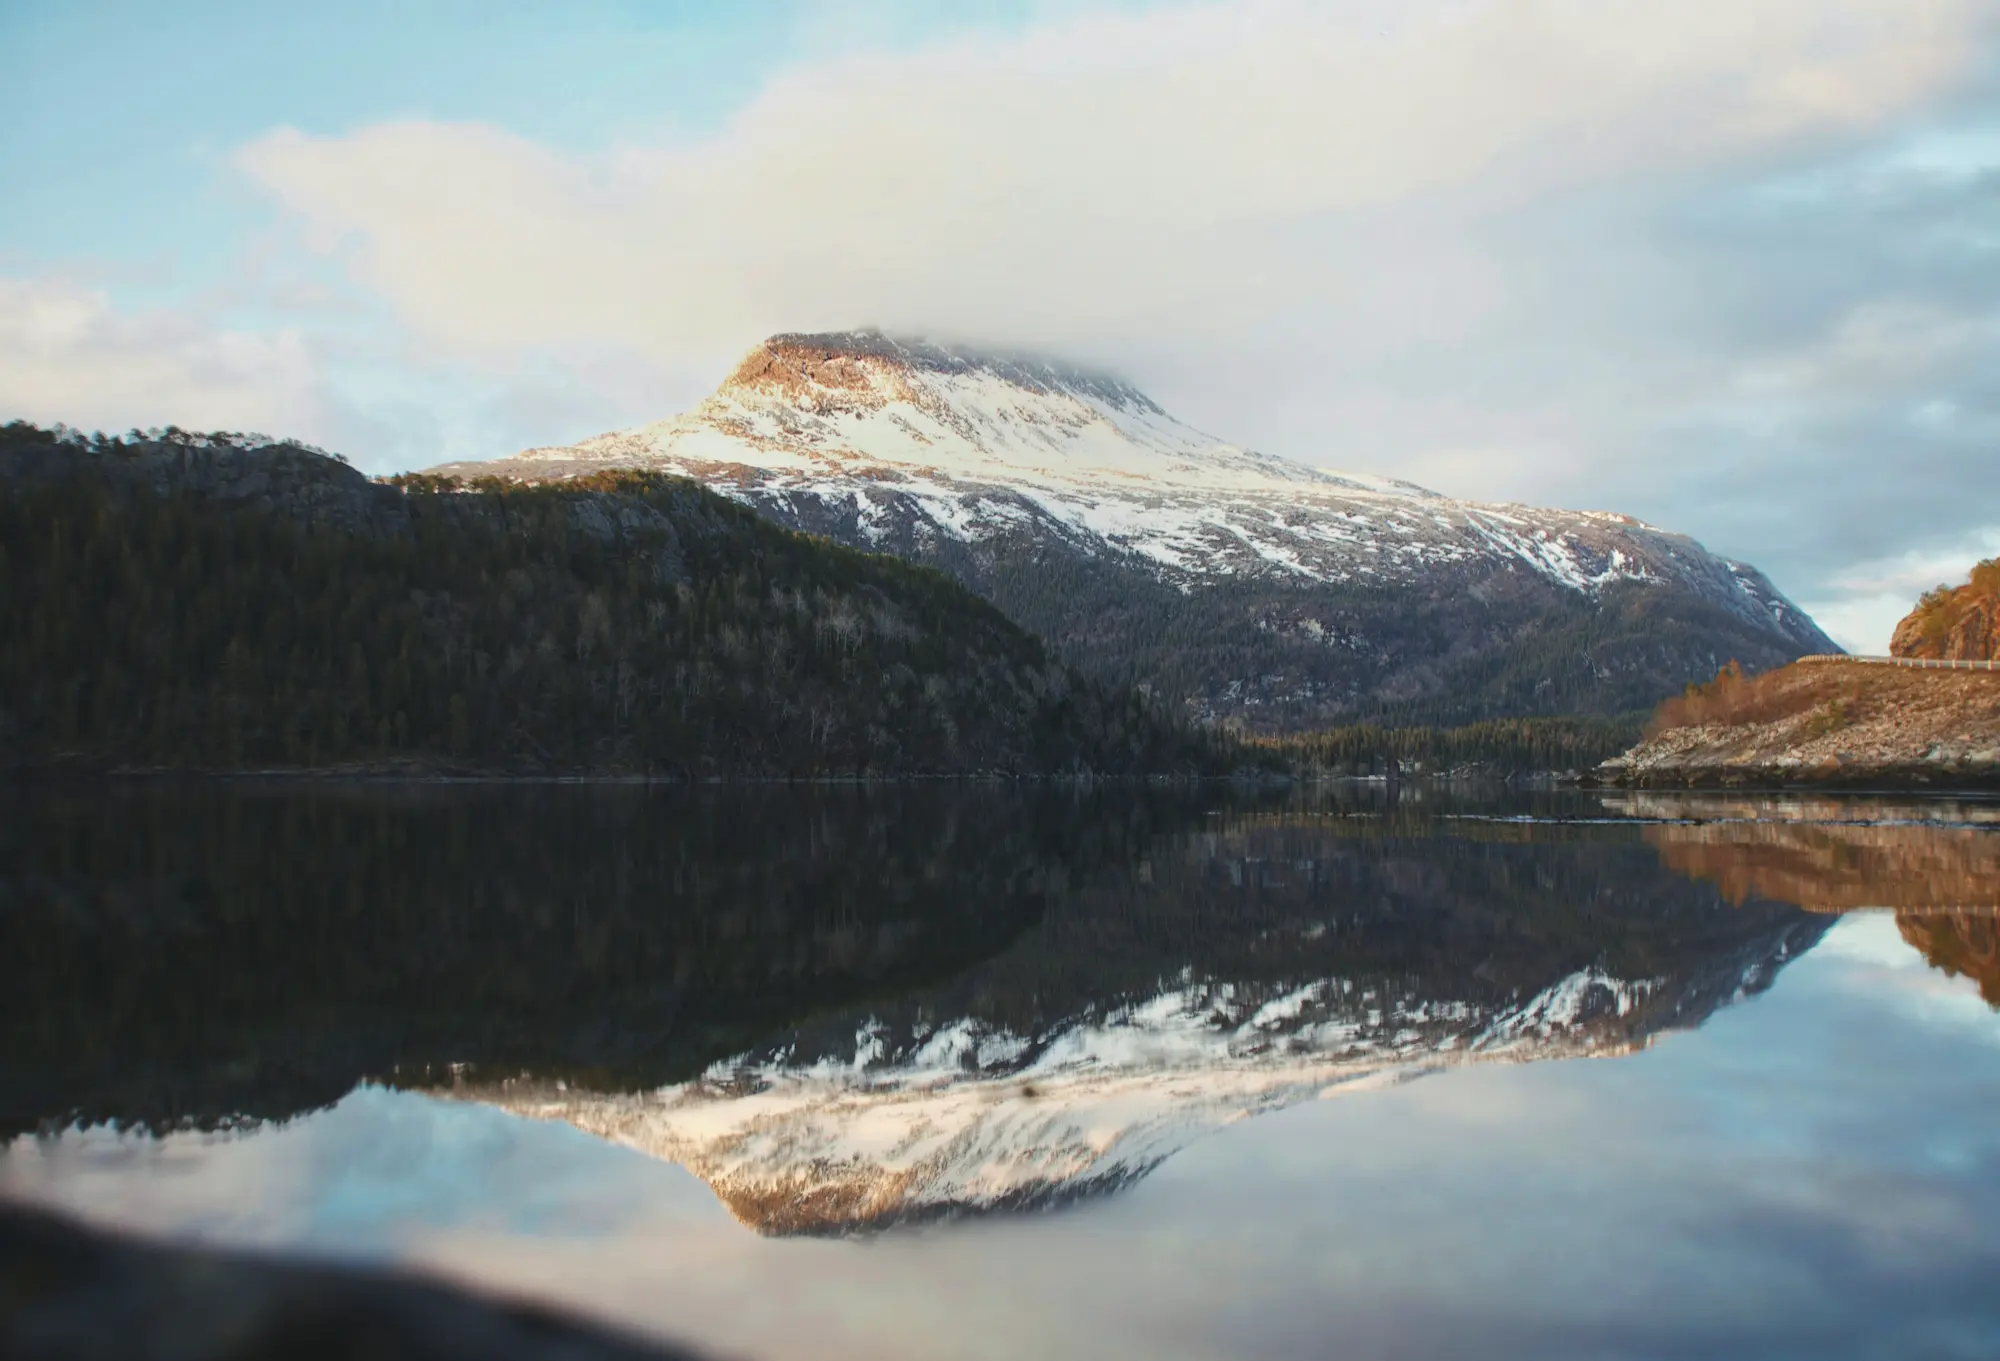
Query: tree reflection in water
x=1935 y=863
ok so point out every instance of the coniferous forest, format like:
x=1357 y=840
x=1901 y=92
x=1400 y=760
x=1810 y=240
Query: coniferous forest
x=1503 y=746
x=231 y=603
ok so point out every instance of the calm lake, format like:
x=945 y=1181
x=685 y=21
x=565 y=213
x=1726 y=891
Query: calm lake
x=939 y=1071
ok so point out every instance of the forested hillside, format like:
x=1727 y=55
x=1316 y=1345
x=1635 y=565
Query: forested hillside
x=1281 y=657
x=215 y=602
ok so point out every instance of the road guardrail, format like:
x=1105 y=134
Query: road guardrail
x=1914 y=663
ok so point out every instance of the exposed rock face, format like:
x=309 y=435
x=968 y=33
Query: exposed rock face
x=1955 y=623
x=290 y=481
x=1827 y=722
x=1237 y=584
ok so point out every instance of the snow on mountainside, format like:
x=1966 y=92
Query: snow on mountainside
x=973 y=462
x=981 y=443
x=963 y=1117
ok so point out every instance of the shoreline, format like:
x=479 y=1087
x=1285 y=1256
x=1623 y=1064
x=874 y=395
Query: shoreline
x=1820 y=724
x=1656 y=780
x=1764 y=781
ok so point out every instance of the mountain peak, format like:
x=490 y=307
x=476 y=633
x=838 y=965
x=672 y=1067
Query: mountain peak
x=851 y=366
x=1091 y=514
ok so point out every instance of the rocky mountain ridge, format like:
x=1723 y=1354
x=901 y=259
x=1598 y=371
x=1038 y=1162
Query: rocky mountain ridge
x=1238 y=584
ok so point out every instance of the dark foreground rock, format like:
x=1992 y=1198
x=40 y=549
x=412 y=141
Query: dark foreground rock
x=76 y=1293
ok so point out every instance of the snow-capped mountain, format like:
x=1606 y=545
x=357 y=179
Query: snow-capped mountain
x=906 y=1122
x=1081 y=506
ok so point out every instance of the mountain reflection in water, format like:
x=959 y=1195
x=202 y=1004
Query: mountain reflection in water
x=846 y=1009
x=1242 y=964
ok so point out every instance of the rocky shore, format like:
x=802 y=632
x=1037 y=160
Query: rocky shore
x=1825 y=723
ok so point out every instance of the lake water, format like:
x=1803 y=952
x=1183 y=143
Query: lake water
x=938 y=1071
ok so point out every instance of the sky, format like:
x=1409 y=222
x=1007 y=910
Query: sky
x=1730 y=267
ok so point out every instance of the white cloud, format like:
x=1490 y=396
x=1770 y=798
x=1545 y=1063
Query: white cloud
x=71 y=354
x=67 y=354
x=1087 y=183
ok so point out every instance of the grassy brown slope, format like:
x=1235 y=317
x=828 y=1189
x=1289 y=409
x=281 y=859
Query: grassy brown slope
x=1827 y=722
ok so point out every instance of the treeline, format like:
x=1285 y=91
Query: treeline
x=208 y=602
x=1511 y=746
